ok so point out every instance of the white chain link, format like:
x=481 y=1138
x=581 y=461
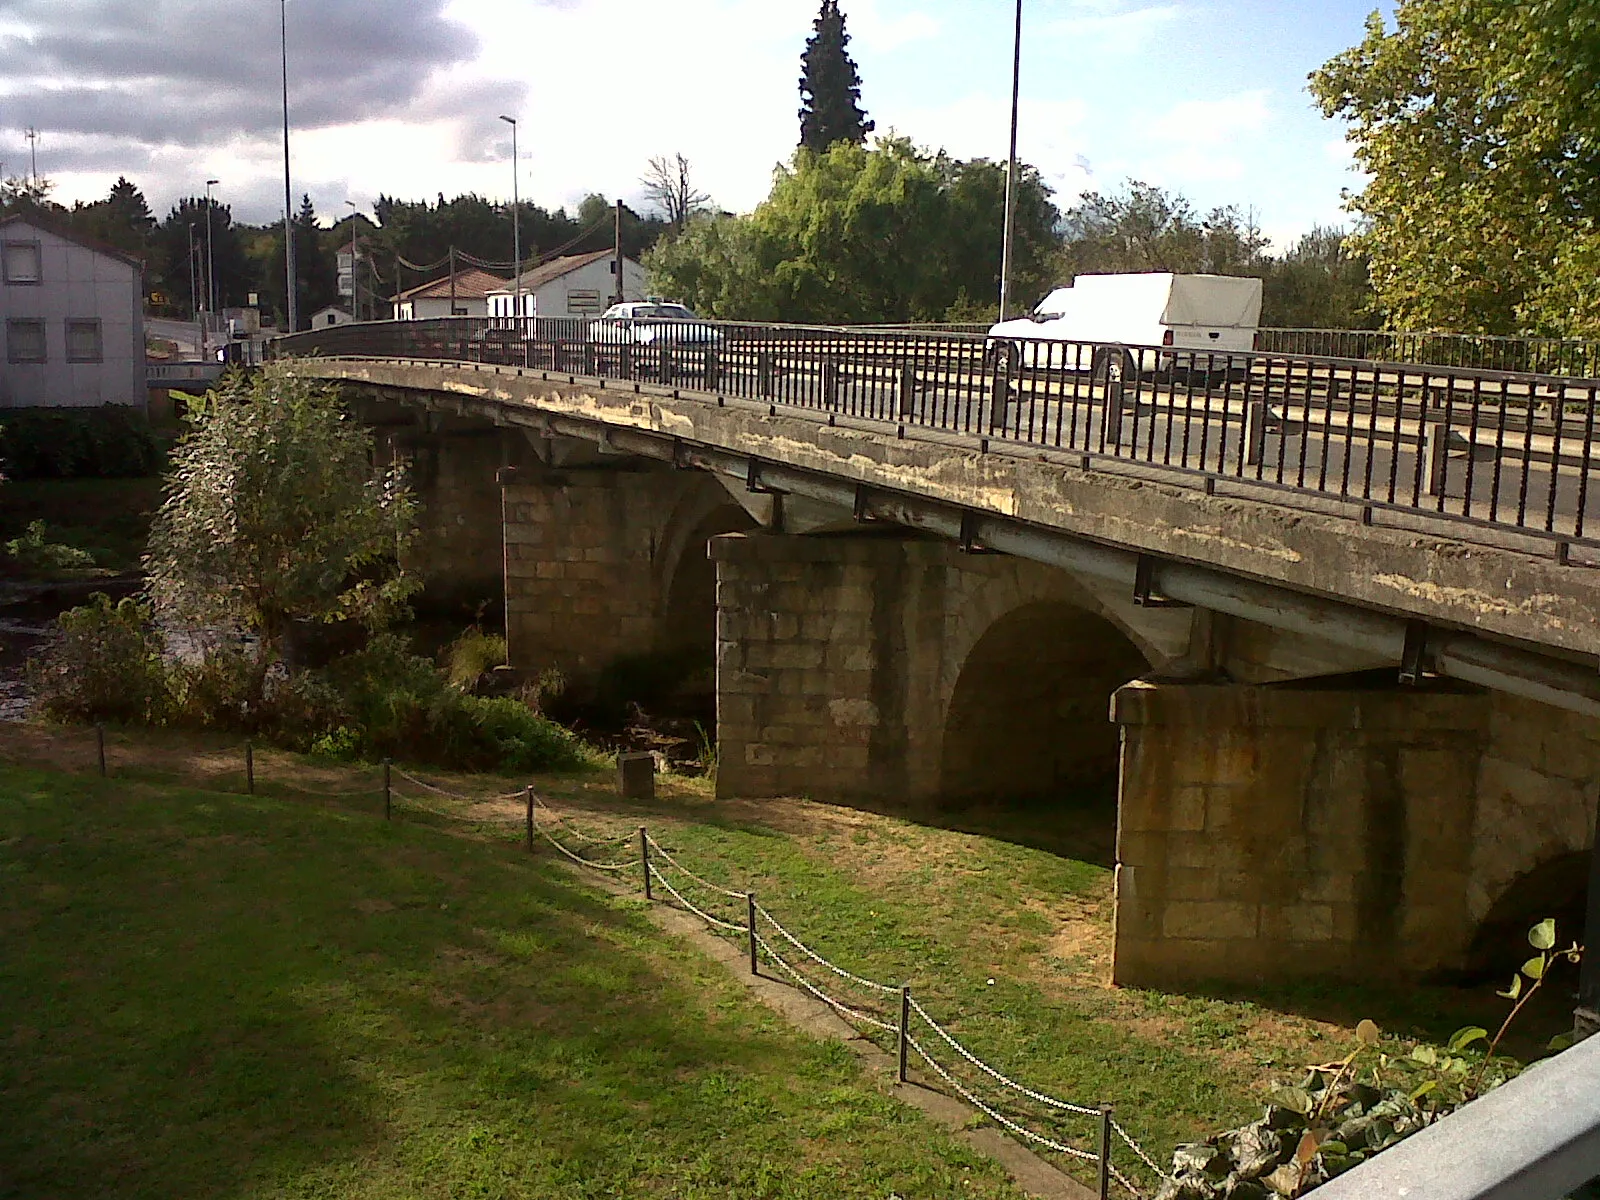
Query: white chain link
x=1040 y=1097
x=578 y=858
x=705 y=883
x=1139 y=1150
x=844 y=1010
x=1019 y=1130
x=374 y=790
x=699 y=912
x=820 y=961
x=423 y=783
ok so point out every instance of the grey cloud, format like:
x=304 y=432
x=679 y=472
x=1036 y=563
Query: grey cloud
x=183 y=73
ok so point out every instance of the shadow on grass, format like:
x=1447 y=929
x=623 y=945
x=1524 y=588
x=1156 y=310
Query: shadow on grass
x=210 y=993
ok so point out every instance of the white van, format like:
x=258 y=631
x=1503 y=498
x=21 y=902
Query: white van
x=1156 y=308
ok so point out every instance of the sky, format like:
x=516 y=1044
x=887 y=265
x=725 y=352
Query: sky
x=402 y=97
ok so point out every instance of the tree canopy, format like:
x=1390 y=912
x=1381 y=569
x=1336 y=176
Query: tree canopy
x=830 y=86
x=1478 y=125
x=858 y=234
x=274 y=516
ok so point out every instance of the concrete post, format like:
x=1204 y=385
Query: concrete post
x=1435 y=458
x=1256 y=419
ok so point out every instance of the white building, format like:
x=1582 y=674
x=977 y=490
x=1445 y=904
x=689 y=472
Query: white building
x=462 y=296
x=73 y=316
x=580 y=285
x=332 y=315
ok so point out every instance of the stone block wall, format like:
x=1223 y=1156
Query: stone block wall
x=588 y=559
x=1267 y=832
x=457 y=549
x=828 y=665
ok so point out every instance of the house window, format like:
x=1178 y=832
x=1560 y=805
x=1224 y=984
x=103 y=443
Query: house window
x=458 y=311
x=25 y=341
x=20 y=261
x=83 y=341
x=333 y=319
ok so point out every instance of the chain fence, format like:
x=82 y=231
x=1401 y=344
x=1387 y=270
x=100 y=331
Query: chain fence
x=888 y=1014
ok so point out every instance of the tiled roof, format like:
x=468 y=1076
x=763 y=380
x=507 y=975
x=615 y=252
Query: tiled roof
x=471 y=284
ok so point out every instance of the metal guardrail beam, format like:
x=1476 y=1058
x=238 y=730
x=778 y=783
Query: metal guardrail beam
x=1534 y=1138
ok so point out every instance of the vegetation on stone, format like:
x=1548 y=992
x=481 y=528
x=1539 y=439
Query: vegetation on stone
x=109 y=441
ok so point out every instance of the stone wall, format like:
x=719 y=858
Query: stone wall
x=1269 y=832
x=590 y=556
x=457 y=549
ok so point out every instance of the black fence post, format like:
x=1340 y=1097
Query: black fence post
x=644 y=860
x=388 y=794
x=249 y=769
x=1105 y=1151
x=750 y=925
x=528 y=797
x=905 y=1027
x=100 y=747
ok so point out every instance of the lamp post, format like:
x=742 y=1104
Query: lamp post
x=516 y=225
x=194 y=279
x=1011 y=173
x=288 y=201
x=211 y=262
x=355 y=305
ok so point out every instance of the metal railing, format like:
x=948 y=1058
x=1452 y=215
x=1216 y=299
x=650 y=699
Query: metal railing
x=1491 y=449
x=1535 y=355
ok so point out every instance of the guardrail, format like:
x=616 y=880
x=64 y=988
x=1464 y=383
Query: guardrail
x=1535 y=355
x=1486 y=449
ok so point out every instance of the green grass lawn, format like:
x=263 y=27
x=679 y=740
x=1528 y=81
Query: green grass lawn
x=203 y=994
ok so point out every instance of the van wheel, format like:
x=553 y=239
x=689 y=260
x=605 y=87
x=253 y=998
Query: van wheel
x=1110 y=363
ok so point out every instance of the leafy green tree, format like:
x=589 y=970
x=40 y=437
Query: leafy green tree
x=1478 y=125
x=316 y=269
x=1319 y=283
x=830 y=86
x=1144 y=228
x=888 y=233
x=122 y=219
x=275 y=517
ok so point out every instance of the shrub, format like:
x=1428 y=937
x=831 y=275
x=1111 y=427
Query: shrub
x=471 y=657
x=104 y=664
x=68 y=443
x=33 y=551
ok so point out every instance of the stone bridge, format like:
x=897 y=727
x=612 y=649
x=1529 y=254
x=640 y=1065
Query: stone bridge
x=1342 y=735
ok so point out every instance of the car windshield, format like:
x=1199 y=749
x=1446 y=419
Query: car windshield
x=669 y=312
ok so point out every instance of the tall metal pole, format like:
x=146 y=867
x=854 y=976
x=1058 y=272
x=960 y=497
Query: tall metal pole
x=1011 y=172
x=622 y=292
x=211 y=262
x=355 y=304
x=291 y=307
x=516 y=225
x=194 y=279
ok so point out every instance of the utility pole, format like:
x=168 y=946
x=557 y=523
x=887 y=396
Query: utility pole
x=194 y=279
x=290 y=304
x=33 y=155
x=1011 y=173
x=452 y=281
x=211 y=261
x=622 y=292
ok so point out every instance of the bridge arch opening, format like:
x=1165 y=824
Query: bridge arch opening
x=1558 y=888
x=1028 y=727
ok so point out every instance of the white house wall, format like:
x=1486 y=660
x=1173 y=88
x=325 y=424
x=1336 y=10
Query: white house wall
x=76 y=283
x=554 y=299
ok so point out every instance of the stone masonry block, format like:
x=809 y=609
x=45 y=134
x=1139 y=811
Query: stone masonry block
x=1216 y=919
x=1297 y=922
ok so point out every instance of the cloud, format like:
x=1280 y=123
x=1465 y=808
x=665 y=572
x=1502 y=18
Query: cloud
x=1111 y=25
x=1049 y=134
x=1202 y=140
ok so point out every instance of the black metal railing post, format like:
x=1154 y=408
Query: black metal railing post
x=249 y=769
x=750 y=926
x=527 y=798
x=905 y=1027
x=644 y=861
x=1105 y=1152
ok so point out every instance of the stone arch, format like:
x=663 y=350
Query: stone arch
x=689 y=587
x=1557 y=887
x=1028 y=717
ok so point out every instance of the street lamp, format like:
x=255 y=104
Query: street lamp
x=288 y=201
x=1011 y=173
x=516 y=225
x=211 y=262
x=355 y=310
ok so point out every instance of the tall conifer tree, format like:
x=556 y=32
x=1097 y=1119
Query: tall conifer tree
x=830 y=87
